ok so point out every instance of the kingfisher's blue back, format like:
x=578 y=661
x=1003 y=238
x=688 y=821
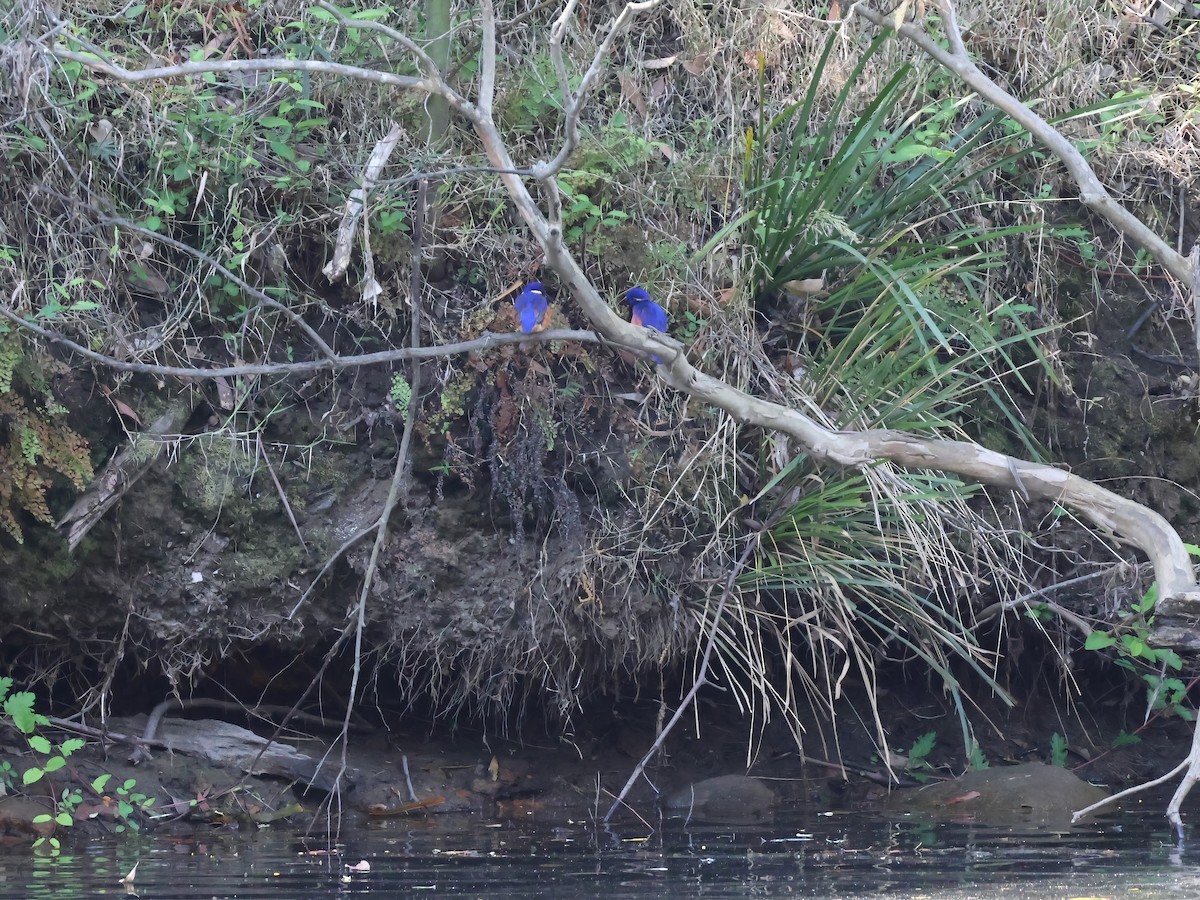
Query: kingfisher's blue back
x=533 y=309
x=646 y=311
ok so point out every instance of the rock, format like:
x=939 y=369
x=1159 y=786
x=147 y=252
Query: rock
x=17 y=814
x=734 y=799
x=1031 y=793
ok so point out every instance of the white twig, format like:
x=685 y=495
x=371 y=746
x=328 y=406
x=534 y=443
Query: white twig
x=575 y=100
x=336 y=267
x=487 y=60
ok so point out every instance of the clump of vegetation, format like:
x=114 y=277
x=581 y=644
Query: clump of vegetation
x=20 y=713
x=37 y=446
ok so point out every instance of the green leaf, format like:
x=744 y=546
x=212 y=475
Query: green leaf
x=64 y=819
x=1058 y=750
x=1099 y=640
x=54 y=763
x=100 y=781
x=32 y=775
x=5 y=686
x=19 y=708
x=71 y=745
x=923 y=746
x=39 y=743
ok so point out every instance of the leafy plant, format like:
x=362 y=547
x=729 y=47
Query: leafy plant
x=36 y=444
x=976 y=761
x=20 y=712
x=401 y=393
x=1058 y=750
x=918 y=756
x=1131 y=642
x=827 y=185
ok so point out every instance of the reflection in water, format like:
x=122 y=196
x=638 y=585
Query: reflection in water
x=825 y=856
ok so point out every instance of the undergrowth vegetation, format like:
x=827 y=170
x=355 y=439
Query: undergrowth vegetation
x=829 y=225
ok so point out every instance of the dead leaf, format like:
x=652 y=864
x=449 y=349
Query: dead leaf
x=128 y=879
x=805 y=287
x=124 y=409
x=224 y=393
x=901 y=13
x=99 y=131
x=835 y=11
x=658 y=90
x=361 y=866
x=120 y=406
x=697 y=64
x=494 y=769
x=969 y=795
x=664 y=62
x=631 y=92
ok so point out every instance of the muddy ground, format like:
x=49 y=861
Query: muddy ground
x=559 y=777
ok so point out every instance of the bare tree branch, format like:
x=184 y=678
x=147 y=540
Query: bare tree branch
x=335 y=363
x=1129 y=520
x=1092 y=194
x=229 y=66
x=424 y=62
x=487 y=61
x=575 y=100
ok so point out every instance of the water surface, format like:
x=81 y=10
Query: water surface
x=830 y=855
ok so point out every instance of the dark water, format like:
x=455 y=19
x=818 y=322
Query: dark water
x=822 y=856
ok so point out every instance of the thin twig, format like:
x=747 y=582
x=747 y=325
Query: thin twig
x=700 y=681
x=398 y=488
x=287 y=506
x=488 y=341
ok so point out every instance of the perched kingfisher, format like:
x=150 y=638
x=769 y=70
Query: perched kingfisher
x=646 y=312
x=533 y=309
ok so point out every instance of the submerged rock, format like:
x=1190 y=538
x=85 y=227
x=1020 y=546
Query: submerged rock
x=735 y=799
x=1031 y=793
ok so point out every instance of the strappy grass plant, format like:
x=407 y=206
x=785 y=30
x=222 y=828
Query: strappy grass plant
x=887 y=213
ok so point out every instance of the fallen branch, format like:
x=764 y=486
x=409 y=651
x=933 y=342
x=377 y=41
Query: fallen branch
x=355 y=203
x=122 y=471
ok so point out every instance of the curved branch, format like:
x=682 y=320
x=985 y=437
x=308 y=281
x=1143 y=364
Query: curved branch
x=1092 y=193
x=1129 y=520
x=319 y=67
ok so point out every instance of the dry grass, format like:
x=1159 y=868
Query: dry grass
x=615 y=582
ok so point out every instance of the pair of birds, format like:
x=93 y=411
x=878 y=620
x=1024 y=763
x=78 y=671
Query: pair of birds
x=533 y=310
